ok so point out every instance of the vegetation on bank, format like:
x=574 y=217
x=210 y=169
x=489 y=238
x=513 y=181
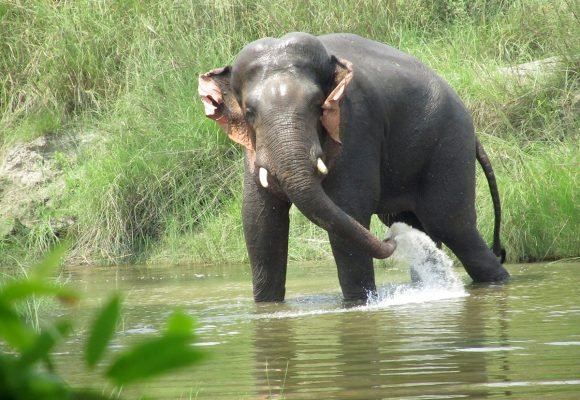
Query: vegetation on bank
x=27 y=364
x=159 y=182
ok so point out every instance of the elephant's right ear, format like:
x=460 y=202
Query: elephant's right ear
x=220 y=104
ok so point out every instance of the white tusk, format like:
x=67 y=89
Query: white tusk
x=263 y=176
x=321 y=167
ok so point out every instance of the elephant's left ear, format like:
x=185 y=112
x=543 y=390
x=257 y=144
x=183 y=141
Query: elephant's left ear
x=331 y=108
x=220 y=104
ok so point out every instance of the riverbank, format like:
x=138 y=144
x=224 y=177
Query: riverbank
x=132 y=171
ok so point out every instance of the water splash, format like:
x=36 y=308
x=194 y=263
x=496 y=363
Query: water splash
x=429 y=266
x=431 y=270
x=402 y=294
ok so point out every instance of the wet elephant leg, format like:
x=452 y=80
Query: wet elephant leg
x=355 y=269
x=479 y=261
x=266 y=223
x=447 y=210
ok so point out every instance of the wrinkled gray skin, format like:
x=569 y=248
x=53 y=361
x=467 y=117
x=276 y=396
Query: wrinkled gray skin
x=406 y=152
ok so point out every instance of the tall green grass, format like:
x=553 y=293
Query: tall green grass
x=539 y=191
x=160 y=182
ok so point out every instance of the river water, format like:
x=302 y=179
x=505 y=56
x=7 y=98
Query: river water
x=520 y=340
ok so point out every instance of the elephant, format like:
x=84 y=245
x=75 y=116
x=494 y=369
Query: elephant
x=345 y=128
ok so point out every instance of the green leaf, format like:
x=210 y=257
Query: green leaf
x=153 y=358
x=179 y=323
x=42 y=385
x=102 y=331
x=23 y=289
x=14 y=330
x=50 y=262
x=44 y=343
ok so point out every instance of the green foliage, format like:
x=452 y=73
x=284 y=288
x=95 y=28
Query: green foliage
x=160 y=182
x=156 y=356
x=27 y=371
x=537 y=188
x=102 y=331
x=540 y=202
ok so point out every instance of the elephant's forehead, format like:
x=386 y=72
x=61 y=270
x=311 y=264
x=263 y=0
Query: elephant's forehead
x=283 y=87
x=293 y=45
x=285 y=54
x=278 y=89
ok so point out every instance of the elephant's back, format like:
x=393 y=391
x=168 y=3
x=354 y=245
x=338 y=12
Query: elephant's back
x=391 y=74
x=416 y=107
x=402 y=84
x=374 y=58
x=363 y=50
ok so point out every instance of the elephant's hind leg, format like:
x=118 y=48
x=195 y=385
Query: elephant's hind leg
x=446 y=208
x=457 y=230
x=479 y=261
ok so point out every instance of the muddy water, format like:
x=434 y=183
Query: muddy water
x=519 y=341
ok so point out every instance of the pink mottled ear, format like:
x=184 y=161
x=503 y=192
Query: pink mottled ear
x=220 y=104
x=331 y=108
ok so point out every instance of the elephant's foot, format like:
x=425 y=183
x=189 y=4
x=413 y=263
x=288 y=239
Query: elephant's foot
x=498 y=275
x=274 y=292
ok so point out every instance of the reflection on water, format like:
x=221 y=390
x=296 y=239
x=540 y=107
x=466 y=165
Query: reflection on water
x=520 y=340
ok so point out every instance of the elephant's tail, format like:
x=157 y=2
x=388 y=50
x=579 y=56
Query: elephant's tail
x=490 y=176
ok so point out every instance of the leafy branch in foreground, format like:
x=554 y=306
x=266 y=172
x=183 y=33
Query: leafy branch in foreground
x=26 y=365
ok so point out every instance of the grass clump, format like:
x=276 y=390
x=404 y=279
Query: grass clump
x=160 y=182
x=539 y=183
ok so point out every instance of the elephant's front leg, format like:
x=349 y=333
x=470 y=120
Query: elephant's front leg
x=266 y=223
x=355 y=270
x=355 y=189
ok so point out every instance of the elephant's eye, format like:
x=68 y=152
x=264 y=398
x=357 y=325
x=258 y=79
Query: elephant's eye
x=318 y=105
x=250 y=116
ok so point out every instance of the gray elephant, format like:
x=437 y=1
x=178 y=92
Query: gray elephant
x=344 y=128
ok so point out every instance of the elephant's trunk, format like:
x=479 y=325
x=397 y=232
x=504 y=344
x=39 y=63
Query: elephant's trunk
x=303 y=187
x=321 y=210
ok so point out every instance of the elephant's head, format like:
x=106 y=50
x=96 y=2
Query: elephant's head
x=281 y=101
